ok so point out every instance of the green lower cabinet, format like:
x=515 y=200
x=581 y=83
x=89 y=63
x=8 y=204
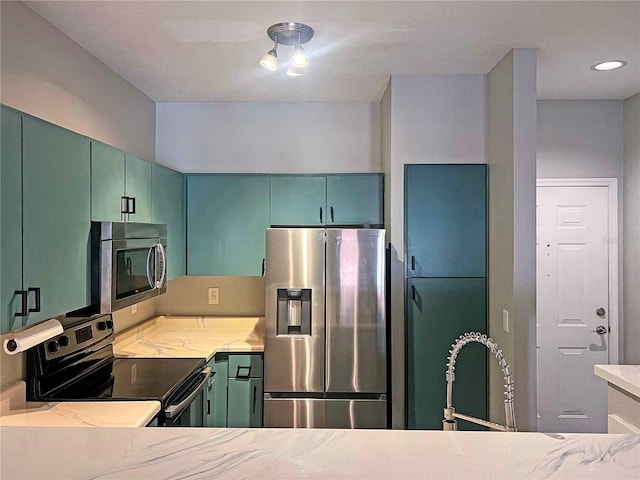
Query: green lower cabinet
x=236 y=391
x=217 y=413
x=245 y=405
x=438 y=311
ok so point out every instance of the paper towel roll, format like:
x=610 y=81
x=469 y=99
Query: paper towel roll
x=33 y=336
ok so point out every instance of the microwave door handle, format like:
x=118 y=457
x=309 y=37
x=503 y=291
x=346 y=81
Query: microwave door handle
x=150 y=278
x=175 y=410
x=163 y=275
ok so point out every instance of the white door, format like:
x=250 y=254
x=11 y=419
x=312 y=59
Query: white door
x=572 y=307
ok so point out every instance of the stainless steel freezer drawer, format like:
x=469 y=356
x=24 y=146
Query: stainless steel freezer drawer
x=321 y=413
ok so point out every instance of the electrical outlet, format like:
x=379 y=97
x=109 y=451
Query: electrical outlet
x=505 y=321
x=134 y=308
x=214 y=298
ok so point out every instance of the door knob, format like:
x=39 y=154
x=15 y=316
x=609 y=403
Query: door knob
x=600 y=330
x=600 y=312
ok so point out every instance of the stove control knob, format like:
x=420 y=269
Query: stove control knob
x=63 y=341
x=102 y=325
x=53 y=346
x=110 y=324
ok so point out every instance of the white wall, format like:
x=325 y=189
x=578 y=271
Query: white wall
x=580 y=138
x=426 y=119
x=584 y=139
x=269 y=137
x=631 y=243
x=511 y=142
x=48 y=75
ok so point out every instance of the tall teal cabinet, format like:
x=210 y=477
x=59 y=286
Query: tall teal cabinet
x=446 y=289
x=45 y=235
x=226 y=220
x=168 y=208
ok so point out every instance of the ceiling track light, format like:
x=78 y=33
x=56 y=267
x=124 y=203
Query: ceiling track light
x=288 y=33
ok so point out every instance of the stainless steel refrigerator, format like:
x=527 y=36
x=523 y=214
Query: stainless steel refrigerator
x=325 y=329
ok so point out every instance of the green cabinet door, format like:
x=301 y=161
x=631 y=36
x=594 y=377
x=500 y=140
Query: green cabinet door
x=107 y=182
x=138 y=185
x=438 y=311
x=445 y=220
x=11 y=229
x=355 y=199
x=245 y=403
x=226 y=220
x=56 y=218
x=218 y=395
x=168 y=208
x=298 y=200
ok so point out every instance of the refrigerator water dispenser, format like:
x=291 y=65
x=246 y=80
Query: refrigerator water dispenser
x=294 y=311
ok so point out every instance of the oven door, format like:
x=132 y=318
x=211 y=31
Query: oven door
x=189 y=408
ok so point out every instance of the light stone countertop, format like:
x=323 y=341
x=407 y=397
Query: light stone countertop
x=203 y=453
x=15 y=411
x=626 y=377
x=191 y=336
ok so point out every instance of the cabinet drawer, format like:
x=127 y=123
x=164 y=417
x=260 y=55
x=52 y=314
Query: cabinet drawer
x=245 y=366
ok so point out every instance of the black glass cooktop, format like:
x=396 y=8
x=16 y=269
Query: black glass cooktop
x=134 y=379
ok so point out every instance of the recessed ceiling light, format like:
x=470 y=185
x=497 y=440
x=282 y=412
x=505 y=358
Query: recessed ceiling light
x=608 y=65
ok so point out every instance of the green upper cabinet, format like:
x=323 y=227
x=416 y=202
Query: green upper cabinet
x=298 y=200
x=168 y=208
x=118 y=181
x=107 y=182
x=138 y=185
x=355 y=199
x=56 y=218
x=438 y=311
x=11 y=229
x=226 y=220
x=319 y=200
x=445 y=220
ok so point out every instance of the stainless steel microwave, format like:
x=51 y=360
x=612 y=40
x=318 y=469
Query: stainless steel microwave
x=128 y=263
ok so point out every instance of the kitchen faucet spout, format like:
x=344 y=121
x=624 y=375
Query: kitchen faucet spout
x=450 y=414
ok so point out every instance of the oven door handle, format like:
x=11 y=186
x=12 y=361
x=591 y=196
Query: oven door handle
x=175 y=410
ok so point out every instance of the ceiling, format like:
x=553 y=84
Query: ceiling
x=208 y=51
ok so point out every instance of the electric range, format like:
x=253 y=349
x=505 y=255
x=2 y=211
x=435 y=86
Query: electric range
x=79 y=365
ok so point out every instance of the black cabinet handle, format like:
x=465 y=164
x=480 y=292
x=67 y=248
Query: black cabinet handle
x=246 y=371
x=255 y=398
x=263 y=266
x=131 y=201
x=208 y=407
x=124 y=204
x=23 y=302
x=413 y=293
x=35 y=290
x=320 y=214
x=331 y=210
x=413 y=262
